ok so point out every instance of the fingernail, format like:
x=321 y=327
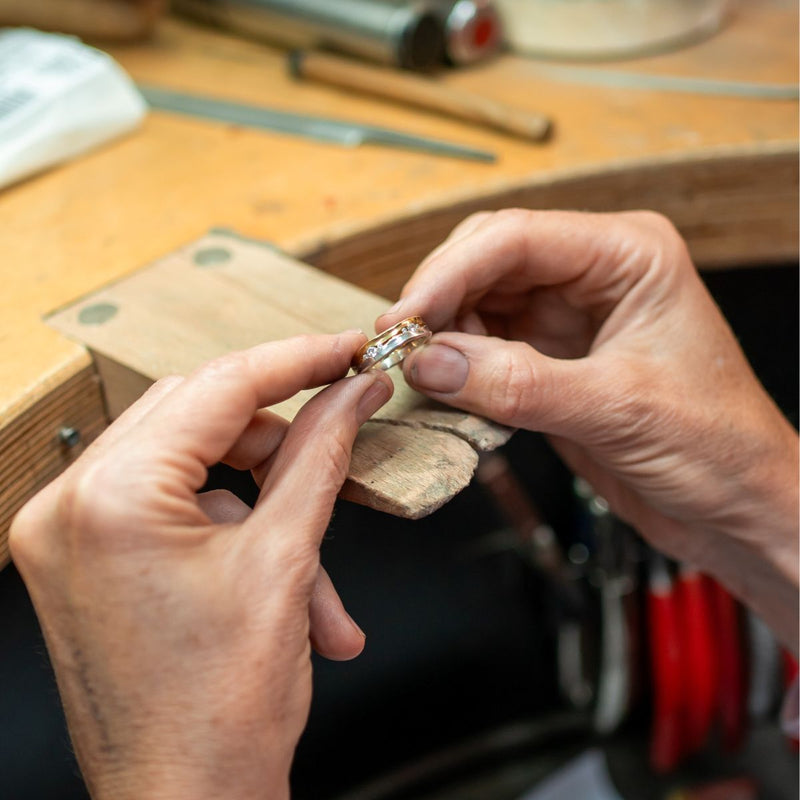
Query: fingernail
x=379 y=391
x=439 y=368
x=392 y=309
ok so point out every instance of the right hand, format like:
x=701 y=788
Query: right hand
x=602 y=335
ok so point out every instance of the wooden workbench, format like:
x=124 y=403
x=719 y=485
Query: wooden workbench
x=723 y=167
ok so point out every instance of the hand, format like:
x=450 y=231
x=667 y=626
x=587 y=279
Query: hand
x=178 y=625
x=602 y=335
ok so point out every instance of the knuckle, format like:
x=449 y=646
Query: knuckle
x=656 y=224
x=512 y=386
x=513 y=217
x=64 y=514
x=221 y=367
x=473 y=221
x=27 y=532
x=659 y=240
x=167 y=383
x=334 y=462
x=79 y=500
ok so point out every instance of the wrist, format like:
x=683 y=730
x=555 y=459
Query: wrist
x=163 y=781
x=149 y=764
x=759 y=553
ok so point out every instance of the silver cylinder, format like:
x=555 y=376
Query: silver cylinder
x=407 y=34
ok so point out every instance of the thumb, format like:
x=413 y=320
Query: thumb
x=311 y=463
x=509 y=382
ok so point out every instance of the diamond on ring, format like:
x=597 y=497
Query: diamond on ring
x=390 y=347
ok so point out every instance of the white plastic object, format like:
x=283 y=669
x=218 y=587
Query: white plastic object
x=58 y=99
x=607 y=28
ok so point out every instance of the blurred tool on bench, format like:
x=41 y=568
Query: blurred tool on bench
x=408 y=35
x=418 y=90
x=347 y=133
x=413 y=34
x=96 y=19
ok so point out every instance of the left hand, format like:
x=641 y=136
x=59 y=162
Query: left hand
x=178 y=624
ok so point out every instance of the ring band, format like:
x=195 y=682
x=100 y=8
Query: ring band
x=392 y=346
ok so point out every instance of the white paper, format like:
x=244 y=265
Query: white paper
x=58 y=99
x=584 y=778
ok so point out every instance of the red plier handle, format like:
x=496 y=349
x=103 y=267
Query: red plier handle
x=730 y=666
x=699 y=659
x=666 y=743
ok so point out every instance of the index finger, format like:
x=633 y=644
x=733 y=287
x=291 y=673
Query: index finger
x=523 y=250
x=204 y=416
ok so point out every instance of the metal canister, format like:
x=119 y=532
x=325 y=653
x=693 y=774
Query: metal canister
x=406 y=34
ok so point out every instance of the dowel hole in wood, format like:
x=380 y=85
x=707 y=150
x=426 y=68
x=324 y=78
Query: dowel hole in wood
x=97 y=313
x=211 y=256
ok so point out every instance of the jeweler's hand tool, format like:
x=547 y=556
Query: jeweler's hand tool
x=730 y=665
x=667 y=739
x=420 y=91
x=342 y=132
x=536 y=542
x=698 y=657
x=614 y=576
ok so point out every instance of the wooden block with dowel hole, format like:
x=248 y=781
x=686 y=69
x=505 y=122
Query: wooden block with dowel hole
x=225 y=293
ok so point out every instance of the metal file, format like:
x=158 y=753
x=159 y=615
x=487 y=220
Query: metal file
x=342 y=132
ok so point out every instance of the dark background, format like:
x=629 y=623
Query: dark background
x=457 y=638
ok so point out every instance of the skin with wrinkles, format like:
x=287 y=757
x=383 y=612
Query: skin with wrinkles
x=180 y=625
x=597 y=330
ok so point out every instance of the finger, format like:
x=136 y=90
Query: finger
x=311 y=465
x=334 y=634
x=332 y=630
x=463 y=229
x=223 y=507
x=134 y=414
x=509 y=382
x=227 y=392
x=527 y=249
x=471 y=323
x=258 y=442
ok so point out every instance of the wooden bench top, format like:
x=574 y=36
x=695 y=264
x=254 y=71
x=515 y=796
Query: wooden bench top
x=722 y=165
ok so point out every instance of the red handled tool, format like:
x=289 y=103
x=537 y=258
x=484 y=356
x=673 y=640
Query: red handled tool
x=730 y=665
x=790 y=675
x=699 y=661
x=667 y=742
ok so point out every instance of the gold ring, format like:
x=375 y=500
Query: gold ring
x=392 y=346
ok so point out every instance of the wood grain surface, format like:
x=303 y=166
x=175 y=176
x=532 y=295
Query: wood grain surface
x=723 y=166
x=224 y=293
